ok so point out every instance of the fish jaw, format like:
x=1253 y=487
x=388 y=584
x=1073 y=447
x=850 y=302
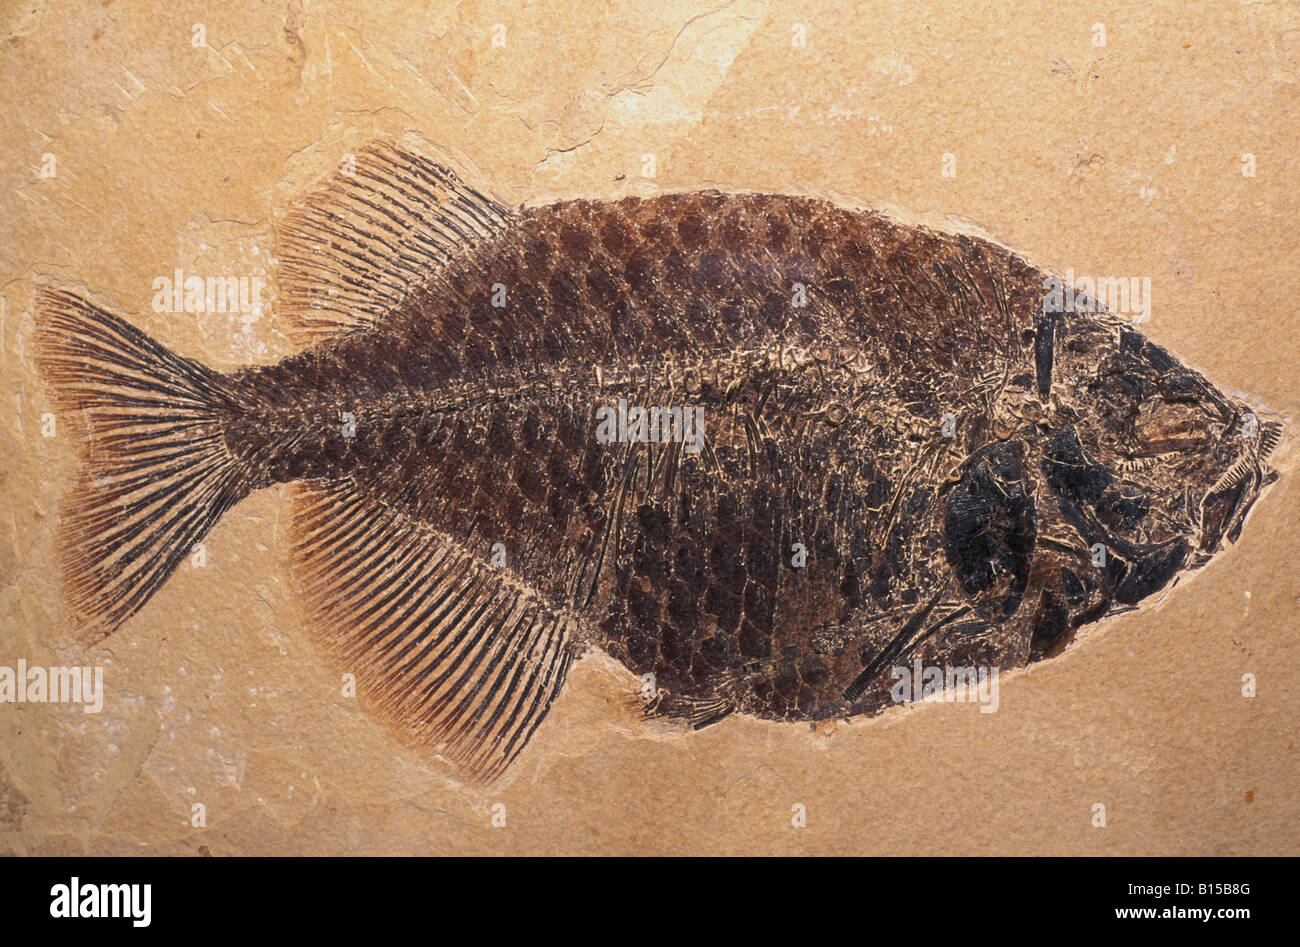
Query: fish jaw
x=1226 y=504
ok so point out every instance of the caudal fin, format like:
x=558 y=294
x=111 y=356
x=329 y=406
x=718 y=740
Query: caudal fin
x=156 y=476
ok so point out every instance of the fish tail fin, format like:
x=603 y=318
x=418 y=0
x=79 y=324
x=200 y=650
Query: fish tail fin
x=156 y=473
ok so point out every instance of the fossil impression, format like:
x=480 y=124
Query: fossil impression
x=763 y=448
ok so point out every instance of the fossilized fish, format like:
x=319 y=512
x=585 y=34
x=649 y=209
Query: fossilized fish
x=758 y=448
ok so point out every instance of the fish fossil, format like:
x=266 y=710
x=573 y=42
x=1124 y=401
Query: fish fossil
x=760 y=447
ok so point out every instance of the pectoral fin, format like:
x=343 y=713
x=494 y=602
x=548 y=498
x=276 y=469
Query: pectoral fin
x=990 y=528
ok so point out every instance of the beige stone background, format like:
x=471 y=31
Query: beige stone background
x=1117 y=159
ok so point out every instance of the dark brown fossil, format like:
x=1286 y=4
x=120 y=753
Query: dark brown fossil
x=904 y=453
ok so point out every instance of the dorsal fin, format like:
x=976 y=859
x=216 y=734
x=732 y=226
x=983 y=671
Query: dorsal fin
x=385 y=221
x=445 y=650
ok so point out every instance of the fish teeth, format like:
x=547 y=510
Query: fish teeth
x=1234 y=475
x=1142 y=464
x=1270 y=438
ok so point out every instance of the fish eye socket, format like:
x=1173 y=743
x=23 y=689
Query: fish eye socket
x=1181 y=387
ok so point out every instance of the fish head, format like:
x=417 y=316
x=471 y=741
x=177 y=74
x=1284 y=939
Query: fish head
x=1149 y=459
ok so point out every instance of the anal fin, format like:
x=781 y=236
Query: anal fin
x=450 y=653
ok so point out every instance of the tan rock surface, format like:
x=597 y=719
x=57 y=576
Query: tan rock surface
x=173 y=153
